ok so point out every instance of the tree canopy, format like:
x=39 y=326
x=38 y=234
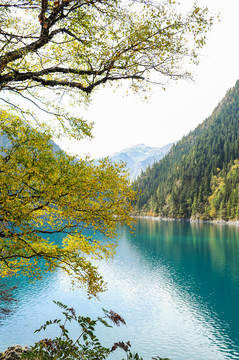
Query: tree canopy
x=44 y=193
x=53 y=56
x=71 y=47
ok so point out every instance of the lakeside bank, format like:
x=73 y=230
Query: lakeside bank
x=215 y=221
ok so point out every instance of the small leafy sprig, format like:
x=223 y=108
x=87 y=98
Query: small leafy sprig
x=86 y=347
x=126 y=347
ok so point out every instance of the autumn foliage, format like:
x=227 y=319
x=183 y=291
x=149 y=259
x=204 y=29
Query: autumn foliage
x=43 y=193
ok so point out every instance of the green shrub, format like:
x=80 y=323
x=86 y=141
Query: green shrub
x=86 y=347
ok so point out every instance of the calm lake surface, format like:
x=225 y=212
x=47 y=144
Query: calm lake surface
x=175 y=283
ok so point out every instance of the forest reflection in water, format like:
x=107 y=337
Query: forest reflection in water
x=174 y=282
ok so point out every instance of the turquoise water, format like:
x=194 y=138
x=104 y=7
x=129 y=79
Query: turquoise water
x=175 y=283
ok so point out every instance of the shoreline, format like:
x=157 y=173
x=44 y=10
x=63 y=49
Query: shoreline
x=216 y=221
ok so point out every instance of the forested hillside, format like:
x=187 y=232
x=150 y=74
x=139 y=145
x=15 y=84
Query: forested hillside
x=199 y=178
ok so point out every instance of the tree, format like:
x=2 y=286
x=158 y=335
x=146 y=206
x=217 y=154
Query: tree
x=54 y=54
x=44 y=193
x=225 y=193
x=71 y=47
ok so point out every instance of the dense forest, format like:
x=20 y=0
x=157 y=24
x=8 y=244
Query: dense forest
x=199 y=178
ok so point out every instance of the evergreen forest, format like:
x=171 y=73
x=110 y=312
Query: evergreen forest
x=199 y=178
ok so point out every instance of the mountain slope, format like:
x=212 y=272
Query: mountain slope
x=139 y=157
x=5 y=143
x=181 y=184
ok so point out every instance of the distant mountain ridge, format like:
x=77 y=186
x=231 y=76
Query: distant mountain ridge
x=199 y=177
x=6 y=144
x=139 y=157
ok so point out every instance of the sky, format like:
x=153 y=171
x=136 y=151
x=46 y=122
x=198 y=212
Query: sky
x=122 y=121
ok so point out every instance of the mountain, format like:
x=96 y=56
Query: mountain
x=139 y=157
x=5 y=143
x=199 y=177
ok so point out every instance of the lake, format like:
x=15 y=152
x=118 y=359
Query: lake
x=175 y=283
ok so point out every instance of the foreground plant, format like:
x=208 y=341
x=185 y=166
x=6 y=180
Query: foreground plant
x=86 y=346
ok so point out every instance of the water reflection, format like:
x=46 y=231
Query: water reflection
x=203 y=259
x=175 y=283
x=212 y=245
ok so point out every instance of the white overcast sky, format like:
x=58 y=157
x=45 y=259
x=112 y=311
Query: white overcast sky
x=123 y=121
